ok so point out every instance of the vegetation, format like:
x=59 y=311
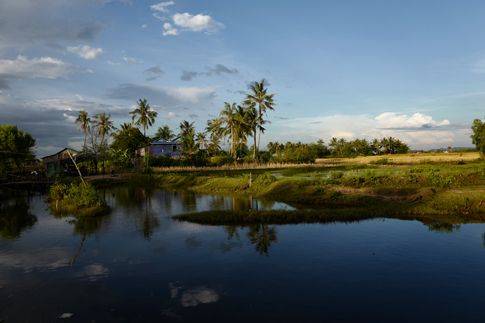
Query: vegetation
x=15 y=148
x=446 y=189
x=478 y=136
x=77 y=199
x=143 y=115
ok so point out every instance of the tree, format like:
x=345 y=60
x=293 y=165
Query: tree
x=187 y=138
x=15 y=147
x=164 y=133
x=234 y=126
x=104 y=125
x=258 y=96
x=84 y=121
x=129 y=140
x=214 y=129
x=200 y=138
x=143 y=115
x=478 y=136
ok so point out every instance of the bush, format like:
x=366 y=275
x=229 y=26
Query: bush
x=76 y=197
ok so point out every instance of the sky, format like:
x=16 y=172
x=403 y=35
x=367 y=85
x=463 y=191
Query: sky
x=410 y=69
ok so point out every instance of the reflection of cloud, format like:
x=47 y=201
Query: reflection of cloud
x=201 y=295
x=95 y=271
x=42 y=259
x=194 y=296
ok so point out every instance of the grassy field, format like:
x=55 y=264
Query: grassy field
x=436 y=185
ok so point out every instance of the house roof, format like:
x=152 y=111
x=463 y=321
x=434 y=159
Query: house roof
x=61 y=151
x=165 y=142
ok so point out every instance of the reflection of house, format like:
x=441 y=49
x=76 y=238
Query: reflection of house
x=161 y=148
x=60 y=162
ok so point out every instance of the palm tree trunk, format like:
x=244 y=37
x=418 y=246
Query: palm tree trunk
x=260 y=117
x=254 y=146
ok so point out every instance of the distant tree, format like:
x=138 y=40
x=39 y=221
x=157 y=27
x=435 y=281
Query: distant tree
x=200 y=138
x=259 y=97
x=103 y=125
x=143 y=115
x=164 y=133
x=234 y=126
x=15 y=147
x=215 y=131
x=478 y=135
x=129 y=140
x=84 y=121
x=187 y=139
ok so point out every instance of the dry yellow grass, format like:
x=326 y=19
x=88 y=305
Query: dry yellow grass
x=416 y=158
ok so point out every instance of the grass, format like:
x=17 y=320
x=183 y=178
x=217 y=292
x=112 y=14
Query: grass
x=78 y=199
x=446 y=188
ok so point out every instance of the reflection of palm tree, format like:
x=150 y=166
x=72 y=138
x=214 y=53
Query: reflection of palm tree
x=232 y=231
x=15 y=218
x=262 y=236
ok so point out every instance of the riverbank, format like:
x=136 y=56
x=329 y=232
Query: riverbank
x=439 y=189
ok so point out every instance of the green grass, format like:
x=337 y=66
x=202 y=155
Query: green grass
x=414 y=189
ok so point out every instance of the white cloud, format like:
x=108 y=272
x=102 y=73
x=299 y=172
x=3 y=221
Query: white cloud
x=196 y=23
x=190 y=94
x=417 y=120
x=85 y=51
x=162 y=6
x=42 y=67
x=132 y=60
x=171 y=115
x=417 y=130
x=169 y=30
x=144 y=26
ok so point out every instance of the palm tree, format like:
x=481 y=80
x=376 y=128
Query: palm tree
x=214 y=128
x=259 y=96
x=125 y=126
x=83 y=120
x=235 y=126
x=187 y=138
x=201 y=140
x=104 y=125
x=255 y=124
x=144 y=115
x=164 y=133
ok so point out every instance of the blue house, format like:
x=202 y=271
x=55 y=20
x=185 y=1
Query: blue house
x=159 y=148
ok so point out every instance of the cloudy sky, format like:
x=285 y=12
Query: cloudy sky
x=411 y=69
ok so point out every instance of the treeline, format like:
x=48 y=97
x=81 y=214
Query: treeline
x=236 y=125
x=307 y=153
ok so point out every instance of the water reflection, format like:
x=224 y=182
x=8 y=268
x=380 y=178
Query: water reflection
x=443 y=227
x=261 y=236
x=15 y=216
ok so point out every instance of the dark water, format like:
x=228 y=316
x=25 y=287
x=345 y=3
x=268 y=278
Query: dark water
x=137 y=264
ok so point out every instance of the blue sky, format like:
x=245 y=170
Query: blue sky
x=411 y=69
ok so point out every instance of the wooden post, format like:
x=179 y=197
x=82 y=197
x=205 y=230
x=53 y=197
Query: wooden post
x=75 y=164
x=250 y=179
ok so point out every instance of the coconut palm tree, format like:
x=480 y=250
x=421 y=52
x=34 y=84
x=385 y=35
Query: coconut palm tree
x=187 y=138
x=143 y=115
x=83 y=120
x=164 y=133
x=104 y=125
x=234 y=126
x=126 y=126
x=255 y=124
x=214 y=129
x=259 y=97
x=200 y=138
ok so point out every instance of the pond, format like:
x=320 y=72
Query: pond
x=137 y=264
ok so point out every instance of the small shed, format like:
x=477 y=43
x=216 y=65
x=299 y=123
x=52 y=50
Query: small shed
x=158 y=148
x=60 y=162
